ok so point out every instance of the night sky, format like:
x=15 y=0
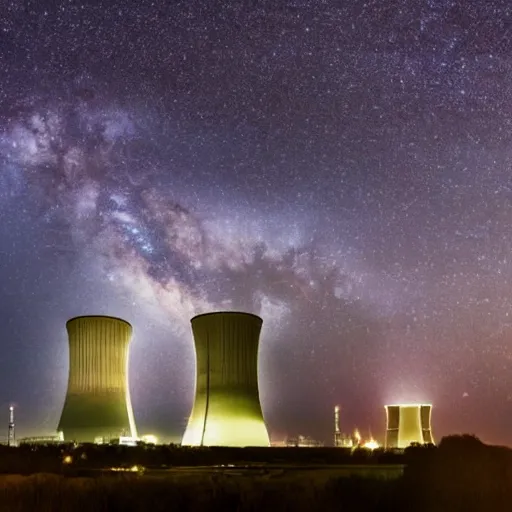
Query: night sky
x=342 y=169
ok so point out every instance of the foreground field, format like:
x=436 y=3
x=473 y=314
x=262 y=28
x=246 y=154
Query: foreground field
x=318 y=473
x=461 y=474
x=196 y=490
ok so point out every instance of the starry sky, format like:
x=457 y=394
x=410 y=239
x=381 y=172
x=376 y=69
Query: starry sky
x=342 y=169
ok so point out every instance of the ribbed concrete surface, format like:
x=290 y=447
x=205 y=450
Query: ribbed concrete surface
x=227 y=410
x=98 y=400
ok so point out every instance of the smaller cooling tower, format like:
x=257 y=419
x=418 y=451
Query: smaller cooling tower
x=98 y=399
x=408 y=423
x=227 y=410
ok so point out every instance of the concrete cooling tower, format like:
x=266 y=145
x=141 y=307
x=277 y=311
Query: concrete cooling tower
x=227 y=410
x=98 y=399
x=408 y=424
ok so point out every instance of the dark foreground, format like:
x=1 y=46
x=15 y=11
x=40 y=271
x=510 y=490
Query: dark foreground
x=297 y=491
x=461 y=474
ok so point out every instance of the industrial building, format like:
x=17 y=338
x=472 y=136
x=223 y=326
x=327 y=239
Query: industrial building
x=227 y=410
x=341 y=440
x=408 y=423
x=42 y=440
x=303 y=442
x=97 y=405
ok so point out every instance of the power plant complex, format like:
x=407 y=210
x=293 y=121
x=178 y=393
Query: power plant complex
x=227 y=410
x=407 y=424
x=97 y=405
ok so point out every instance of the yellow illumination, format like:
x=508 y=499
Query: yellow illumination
x=408 y=423
x=409 y=404
x=97 y=401
x=227 y=430
x=371 y=444
x=132 y=469
x=227 y=410
x=67 y=459
x=149 y=439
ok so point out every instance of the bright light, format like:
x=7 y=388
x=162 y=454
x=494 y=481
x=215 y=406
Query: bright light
x=133 y=469
x=227 y=410
x=371 y=444
x=406 y=424
x=127 y=441
x=225 y=428
x=67 y=459
x=149 y=439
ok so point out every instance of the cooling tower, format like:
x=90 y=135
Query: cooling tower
x=227 y=410
x=98 y=399
x=408 y=424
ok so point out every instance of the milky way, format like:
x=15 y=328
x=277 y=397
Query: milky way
x=342 y=171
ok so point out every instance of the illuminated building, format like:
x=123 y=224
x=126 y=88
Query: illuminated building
x=97 y=402
x=340 y=439
x=227 y=410
x=303 y=442
x=43 y=440
x=408 y=423
x=345 y=441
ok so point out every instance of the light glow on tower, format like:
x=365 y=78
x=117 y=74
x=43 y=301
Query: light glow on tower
x=227 y=410
x=98 y=402
x=407 y=424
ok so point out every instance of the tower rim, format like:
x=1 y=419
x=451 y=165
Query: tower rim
x=221 y=313
x=109 y=317
x=403 y=406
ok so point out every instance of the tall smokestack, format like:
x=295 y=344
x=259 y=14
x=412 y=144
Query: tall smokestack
x=227 y=410
x=337 y=433
x=98 y=399
x=11 y=434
